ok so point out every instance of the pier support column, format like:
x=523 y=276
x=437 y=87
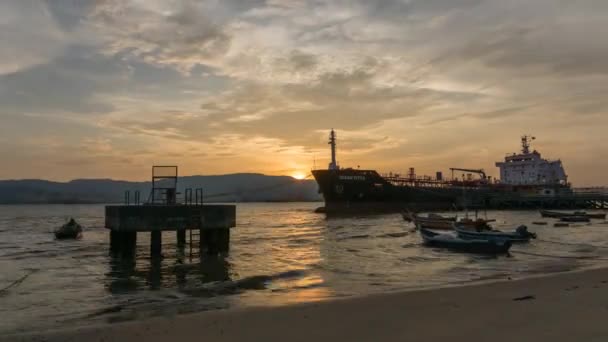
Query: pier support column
x=209 y=241
x=224 y=240
x=202 y=241
x=129 y=243
x=155 y=243
x=114 y=241
x=123 y=243
x=181 y=238
x=212 y=244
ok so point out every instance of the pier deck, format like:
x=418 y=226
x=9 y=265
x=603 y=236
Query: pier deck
x=146 y=218
x=212 y=221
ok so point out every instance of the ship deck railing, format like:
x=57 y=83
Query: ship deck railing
x=434 y=183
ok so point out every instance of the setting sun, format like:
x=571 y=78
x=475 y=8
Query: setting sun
x=298 y=175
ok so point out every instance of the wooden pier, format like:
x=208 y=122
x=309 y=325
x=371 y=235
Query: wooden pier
x=212 y=222
x=161 y=213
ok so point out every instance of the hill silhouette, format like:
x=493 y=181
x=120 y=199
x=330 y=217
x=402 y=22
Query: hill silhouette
x=240 y=187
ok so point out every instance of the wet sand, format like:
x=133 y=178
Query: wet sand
x=561 y=307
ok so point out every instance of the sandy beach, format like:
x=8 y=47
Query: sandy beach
x=560 y=307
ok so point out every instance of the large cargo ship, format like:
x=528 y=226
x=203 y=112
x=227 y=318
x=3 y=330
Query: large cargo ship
x=527 y=181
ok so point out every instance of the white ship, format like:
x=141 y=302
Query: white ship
x=529 y=168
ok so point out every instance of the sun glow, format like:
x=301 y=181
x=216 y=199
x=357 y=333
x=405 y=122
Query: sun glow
x=298 y=175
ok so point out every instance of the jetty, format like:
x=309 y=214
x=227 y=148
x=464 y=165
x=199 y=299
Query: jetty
x=207 y=225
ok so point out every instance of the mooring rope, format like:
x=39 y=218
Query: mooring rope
x=571 y=243
x=15 y=283
x=579 y=257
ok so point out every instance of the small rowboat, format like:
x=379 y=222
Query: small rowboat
x=411 y=217
x=433 y=223
x=478 y=224
x=449 y=241
x=521 y=234
x=556 y=214
x=70 y=230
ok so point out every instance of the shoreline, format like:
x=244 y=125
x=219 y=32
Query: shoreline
x=565 y=306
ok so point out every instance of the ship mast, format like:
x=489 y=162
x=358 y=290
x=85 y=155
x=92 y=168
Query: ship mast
x=332 y=141
x=525 y=143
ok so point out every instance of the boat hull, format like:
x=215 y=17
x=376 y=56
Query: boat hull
x=492 y=235
x=433 y=223
x=574 y=219
x=493 y=246
x=69 y=231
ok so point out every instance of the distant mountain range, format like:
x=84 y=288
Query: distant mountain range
x=242 y=187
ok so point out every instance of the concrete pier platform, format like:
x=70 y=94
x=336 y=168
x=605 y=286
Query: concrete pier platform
x=213 y=222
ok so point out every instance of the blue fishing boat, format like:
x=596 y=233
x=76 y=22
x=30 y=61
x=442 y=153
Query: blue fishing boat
x=452 y=242
x=521 y=234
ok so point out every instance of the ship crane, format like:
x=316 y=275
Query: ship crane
x=478 y=171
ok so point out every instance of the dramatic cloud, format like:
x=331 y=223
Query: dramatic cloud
x=29 y=35
x=217 y=85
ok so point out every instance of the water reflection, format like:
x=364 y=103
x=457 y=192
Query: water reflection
x=138 y=272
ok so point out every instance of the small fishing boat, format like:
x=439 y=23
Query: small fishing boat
x=574 y=219
x=433 y=223
x=557 y=214
x=477 y=224
x=411 y=217
x=440 y=217
x=452 y=242
x=70 y=230
x=521 y=234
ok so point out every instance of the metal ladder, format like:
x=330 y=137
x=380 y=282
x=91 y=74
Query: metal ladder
x=194 y=233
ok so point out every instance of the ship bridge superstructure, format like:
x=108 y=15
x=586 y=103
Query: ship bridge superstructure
x=529 y=168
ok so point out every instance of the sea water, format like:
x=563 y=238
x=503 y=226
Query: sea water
x=280 y=254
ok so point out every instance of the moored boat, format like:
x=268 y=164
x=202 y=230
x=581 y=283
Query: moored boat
x=521 y=234
x=452 y=242
x=433 y=223
x=477 y=224
x=557 y=214
x=410 y=217
x=574 y=219
x=70 y=230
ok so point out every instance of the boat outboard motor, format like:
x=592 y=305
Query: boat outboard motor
x=523 y=231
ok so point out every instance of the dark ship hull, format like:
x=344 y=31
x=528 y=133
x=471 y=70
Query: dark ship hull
x=366 y=191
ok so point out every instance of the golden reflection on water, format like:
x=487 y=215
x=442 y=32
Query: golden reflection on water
x=292 y=244
x=310 y=294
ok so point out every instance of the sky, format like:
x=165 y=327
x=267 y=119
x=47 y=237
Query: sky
x=107 y=88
